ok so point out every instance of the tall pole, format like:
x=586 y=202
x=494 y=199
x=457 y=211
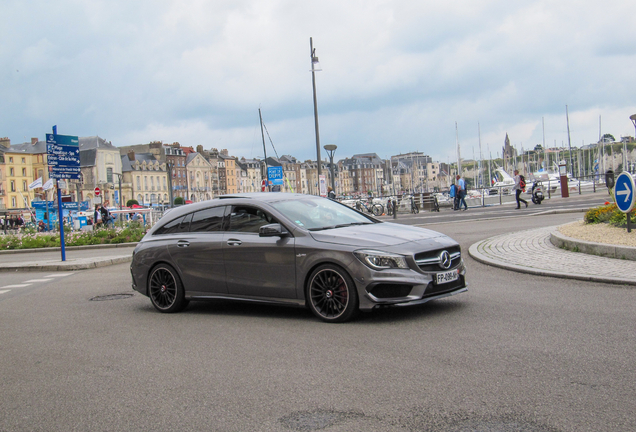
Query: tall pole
x=264 y=150
x=314 y=60
x=459 y=156
x=569 y=144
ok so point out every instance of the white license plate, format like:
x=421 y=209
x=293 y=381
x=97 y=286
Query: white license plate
x=448 y=276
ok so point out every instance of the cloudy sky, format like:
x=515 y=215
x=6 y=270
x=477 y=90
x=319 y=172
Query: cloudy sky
x=396 y=75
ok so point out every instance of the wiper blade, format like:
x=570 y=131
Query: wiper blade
x=322 y=228
x=352 y=223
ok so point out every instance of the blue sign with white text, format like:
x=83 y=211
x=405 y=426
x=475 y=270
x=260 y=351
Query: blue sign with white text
x=275 y=175
x=63 y=156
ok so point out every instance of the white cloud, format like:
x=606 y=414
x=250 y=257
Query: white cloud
x=396 y=74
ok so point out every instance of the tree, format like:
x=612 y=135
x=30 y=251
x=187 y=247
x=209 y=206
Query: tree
x=132 y=202
x=608 y=138
x=179 y=201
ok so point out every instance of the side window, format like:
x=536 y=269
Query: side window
x=248 y=219
x=171 y=227
x=210 y=219
x=185 y=224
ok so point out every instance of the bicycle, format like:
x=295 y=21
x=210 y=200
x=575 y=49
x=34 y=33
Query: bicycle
x=414 y=208
x=376 y=209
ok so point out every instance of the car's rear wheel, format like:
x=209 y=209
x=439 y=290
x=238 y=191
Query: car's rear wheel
x=331 y=294
x=166 y=290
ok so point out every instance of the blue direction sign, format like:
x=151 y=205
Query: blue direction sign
x=275 y=175
x=63 y=156
x=624 y=192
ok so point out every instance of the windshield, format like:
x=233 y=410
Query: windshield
x=316 y=214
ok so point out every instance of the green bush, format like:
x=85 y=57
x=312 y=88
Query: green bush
x=132 y=233
x=609 y=213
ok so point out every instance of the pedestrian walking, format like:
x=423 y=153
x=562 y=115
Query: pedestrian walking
x=454 y=195
x=461 y=190
x=518 y=189
x=97 y=217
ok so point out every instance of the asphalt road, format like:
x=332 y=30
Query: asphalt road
x=516 y=353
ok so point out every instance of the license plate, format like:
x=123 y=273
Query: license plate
x=448 y=276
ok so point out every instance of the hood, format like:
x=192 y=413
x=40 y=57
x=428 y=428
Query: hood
x=375 y=235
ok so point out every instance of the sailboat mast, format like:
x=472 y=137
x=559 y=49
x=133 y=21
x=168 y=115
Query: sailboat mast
x=481 y=157
x=266 y=176
x=459 y=157
x=567 y=117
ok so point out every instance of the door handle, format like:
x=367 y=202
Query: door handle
x=234 y=242
x=183 y=243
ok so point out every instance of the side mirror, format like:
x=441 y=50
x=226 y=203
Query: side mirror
x=272 y=230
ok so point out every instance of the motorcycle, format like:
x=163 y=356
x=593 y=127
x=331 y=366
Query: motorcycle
x=537 y=192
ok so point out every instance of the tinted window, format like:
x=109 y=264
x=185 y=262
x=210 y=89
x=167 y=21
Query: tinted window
x=170 y=227
x=248 y=219
x=184 y=226
x=210 y=219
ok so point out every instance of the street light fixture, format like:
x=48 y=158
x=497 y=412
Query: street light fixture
x=331 y=149
x=315 y=66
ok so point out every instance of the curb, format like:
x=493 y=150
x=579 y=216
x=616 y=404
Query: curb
x=57 y=249
x=474 y=252
x=70 y=265
x=591 y=248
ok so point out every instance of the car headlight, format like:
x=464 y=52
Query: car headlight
x=378 y=260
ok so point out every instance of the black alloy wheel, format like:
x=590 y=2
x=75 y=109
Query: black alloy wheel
x=166 y=290
x=331 y=294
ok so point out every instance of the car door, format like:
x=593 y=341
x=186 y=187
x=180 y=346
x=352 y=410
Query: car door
x=198 y=251
x=257 y=266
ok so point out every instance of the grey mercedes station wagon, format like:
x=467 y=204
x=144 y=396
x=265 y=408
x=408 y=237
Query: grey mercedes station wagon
x=293 y=249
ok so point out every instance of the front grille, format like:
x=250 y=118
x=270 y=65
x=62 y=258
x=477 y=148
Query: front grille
x=433 y=288
x=384 y=291
x=430 y=261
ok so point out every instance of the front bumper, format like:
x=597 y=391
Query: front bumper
x=406 y=287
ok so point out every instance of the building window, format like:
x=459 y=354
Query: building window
x=109 y=175
x=10 y=159
x=146 y=186
x=12 y=187
x=24 y=186
x=13 y=202
x=23 y=160
x=138 y=183
x=24 y=172
x=11 y=172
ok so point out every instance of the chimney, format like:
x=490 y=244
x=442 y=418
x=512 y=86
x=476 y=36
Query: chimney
x=224 y=152
x=131 y=155
x=34 y=141
x=5 y=142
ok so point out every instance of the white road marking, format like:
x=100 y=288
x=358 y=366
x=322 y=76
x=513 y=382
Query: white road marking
x=38 y=280
x=17 y=286
x=4 y=291
x=56 y=275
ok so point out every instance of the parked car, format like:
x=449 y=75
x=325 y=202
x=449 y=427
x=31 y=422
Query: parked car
x=293 y=249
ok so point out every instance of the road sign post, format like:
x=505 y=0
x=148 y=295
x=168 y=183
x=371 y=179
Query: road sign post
x=624 y=194
x=63 y=157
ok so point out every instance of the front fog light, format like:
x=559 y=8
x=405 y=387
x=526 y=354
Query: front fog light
x=378 y=260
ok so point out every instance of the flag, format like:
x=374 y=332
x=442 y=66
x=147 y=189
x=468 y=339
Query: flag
x=48 y=185
x=36 y=184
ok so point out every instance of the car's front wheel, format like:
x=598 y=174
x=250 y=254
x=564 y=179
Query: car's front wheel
x=166 y=290
x=331 y=294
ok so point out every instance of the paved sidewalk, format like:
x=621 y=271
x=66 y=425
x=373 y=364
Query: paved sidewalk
x=531 y=251
x=76 y=259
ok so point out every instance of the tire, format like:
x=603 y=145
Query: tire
x=331 y=294
x=166 y=290
x=377 y=210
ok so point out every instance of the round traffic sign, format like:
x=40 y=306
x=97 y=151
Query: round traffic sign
x=624 y=192
x=96 y=191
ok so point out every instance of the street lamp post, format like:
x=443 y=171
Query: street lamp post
x=331 y=149
x=633 y=119
x=314 y=62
